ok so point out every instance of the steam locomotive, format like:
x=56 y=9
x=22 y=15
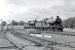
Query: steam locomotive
x=45 y=25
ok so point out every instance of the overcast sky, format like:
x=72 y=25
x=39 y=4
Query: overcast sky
x=31 y=9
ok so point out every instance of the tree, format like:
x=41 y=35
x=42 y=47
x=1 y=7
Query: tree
x=69 y=23
x=3 y=23
x=21 y=23
x=14 y=22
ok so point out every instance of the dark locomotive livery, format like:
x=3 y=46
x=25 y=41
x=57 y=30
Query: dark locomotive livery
x=46 y=24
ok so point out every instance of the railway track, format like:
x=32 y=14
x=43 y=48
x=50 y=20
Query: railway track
x=38 y=41
x=16 y=46
x=54 y=32
x=60 y=33
x=10 y=44
x=41 y=41
x=19 y=43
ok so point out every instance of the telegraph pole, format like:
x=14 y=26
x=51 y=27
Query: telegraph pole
x=1 y=20
x=1 y=25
